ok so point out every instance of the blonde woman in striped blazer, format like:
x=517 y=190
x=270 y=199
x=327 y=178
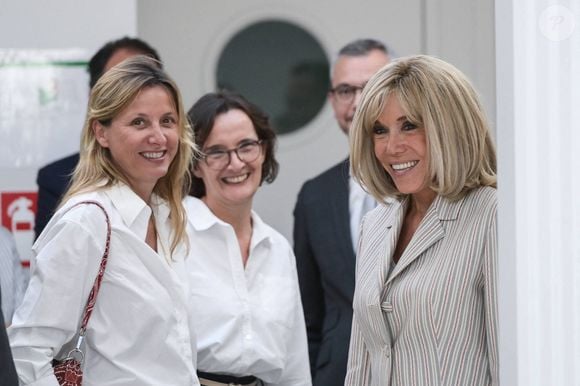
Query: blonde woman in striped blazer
x=425 y=307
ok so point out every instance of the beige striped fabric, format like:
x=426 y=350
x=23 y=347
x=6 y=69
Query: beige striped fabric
x=433 y=320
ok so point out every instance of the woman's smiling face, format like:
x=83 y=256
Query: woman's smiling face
x=401 y=148
x=237 y=181
x=143 y=138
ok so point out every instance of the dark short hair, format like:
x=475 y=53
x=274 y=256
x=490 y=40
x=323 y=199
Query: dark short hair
x=99 y=60
x=361 y=47
x=202 y=116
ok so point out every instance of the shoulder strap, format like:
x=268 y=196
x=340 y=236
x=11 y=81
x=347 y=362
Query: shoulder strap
x=97 y=284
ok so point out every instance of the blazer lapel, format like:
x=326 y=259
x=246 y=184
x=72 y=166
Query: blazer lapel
x=384 y=226
x=393 y=224
x=428 y=233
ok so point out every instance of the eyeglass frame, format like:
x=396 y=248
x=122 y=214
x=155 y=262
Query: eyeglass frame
x=349 y=87
x=258 y=142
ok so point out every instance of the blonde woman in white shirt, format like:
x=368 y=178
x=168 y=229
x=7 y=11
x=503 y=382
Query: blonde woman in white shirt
x=135 y=152
x=250 y=327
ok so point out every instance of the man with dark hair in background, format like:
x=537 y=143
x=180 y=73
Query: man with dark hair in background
x=326 y=221
x=53 y=179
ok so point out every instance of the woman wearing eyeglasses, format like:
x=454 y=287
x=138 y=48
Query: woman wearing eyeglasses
x=250 y=329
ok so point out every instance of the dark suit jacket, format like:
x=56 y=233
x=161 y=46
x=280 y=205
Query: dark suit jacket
x=326 y=263
x=7 y=371
x=52 y=181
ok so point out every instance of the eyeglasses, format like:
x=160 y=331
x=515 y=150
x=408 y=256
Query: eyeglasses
x=345 y=93
x=218 y=159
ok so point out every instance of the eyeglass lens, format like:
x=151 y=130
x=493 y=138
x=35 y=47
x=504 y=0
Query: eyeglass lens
x=346 y=93
x=246 y=152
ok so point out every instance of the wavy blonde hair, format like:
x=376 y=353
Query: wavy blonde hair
x=96 y=169
x=437 y=96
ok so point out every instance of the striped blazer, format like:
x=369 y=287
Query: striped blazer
x=431 y=321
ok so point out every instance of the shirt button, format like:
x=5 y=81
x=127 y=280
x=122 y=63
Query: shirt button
x=387 y=306
x=387 y=352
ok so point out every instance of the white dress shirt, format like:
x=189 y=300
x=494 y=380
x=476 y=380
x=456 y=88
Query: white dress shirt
x=13 y=278
x=359 y=203
x=250 y=320
x=140 y=332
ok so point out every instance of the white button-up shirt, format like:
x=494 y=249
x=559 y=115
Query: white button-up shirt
x=140 y=332
x=250 y=320
x=359 y=203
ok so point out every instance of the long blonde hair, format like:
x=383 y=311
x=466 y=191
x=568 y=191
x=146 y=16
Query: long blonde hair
x=114 y=91
x=437 y=96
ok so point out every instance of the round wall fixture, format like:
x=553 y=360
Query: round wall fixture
x=280 y=67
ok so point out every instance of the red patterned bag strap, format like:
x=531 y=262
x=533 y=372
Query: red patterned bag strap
x=97 y=284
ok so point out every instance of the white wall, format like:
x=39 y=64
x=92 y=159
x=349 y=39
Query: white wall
x=462 y=32
x=538 y=88
x=65 y=23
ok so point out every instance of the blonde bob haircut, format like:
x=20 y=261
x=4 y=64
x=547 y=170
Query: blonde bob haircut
x=437 y=96
x=96 y=169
